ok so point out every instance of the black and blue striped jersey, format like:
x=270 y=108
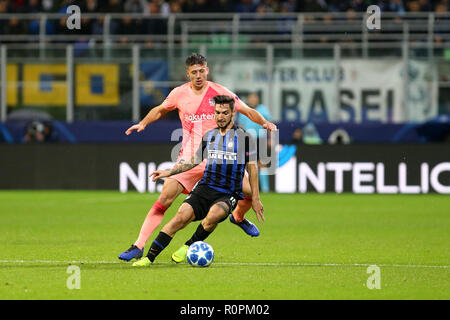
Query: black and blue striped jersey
x=226 y=157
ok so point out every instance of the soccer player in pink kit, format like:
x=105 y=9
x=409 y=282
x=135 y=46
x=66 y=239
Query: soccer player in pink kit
x=196 y=110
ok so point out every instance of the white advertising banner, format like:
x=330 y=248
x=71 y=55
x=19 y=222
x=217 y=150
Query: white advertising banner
x=389 y=169
x=307 y=90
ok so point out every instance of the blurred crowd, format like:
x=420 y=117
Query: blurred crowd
x=239 y=6
x=160 y=8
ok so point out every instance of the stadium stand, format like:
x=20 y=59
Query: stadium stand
x=268 y=21
x=38 y=48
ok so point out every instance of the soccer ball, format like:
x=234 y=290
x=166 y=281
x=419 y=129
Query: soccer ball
x=200 y=254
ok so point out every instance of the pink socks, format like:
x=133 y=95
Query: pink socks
x=152 y=221
x=242 y=208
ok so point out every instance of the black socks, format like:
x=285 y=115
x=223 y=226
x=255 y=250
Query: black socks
x=199 y=235
x=161 y=241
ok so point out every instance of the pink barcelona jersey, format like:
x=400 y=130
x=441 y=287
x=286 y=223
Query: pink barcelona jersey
x=196 y=112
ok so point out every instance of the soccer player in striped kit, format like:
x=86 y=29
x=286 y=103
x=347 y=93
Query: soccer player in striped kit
x=229 y=151
x=196 y=110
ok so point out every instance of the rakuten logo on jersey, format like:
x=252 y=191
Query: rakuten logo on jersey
x=198 y=117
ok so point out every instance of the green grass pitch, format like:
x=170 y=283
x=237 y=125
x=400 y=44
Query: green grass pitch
x=312 y=246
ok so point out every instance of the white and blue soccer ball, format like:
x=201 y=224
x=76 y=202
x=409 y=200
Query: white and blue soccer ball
x=200 y=254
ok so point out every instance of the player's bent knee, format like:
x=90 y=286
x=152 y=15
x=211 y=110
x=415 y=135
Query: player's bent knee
x=181 y=220
x=210 y=222
x=208 y=226
x=185 y=214
x=178 y=222
x=218 y=212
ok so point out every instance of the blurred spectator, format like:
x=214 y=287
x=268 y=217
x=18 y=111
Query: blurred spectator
x=327 y=20
x=253 y=102
x=175 y=7
x=425 y=5
x=64 y=4
x=413 y=6
x=310 y=134
x=113 y=6
x=358 y=5
x=133 y=26
x=48 y=5
x=350 y=15
x=91 y=6
x=442 y=22
x=312 y=6
x=39 y=132
x=397 y=6
x=16 y=27
x=441 y=9
x=36 y=6
x=3 y=22
x=156 y=25
x=260 y=10
x=154 y=7
x=222 y=6
x=33 y=6
x=86 y=27
x=136 y=6
x=13 y=25
x=164 y=7
x=200 y=6
x=446 y=3
x=383 y=5
x=4 y=6
x=93 y=26
x=289 y=6
x=60 y=26
x=17 y=5
x=286 y=23
x=259 y=133
x=297 y=137
x=129 y=26
x=245 y=6
x=350 y=50
x=268 y=6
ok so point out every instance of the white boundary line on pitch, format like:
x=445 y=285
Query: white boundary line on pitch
x=281 y=264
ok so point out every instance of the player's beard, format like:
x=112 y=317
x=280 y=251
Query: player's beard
x=226 y=125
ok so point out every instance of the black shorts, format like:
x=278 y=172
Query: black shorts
x=202 y=198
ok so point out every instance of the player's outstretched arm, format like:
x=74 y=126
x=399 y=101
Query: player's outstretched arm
x=179 y=168
x=152 y=116
x=257 y=206
x=257 y=117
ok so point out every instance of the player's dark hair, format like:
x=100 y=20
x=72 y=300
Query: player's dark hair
x=222 y=99
x=195 y=58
